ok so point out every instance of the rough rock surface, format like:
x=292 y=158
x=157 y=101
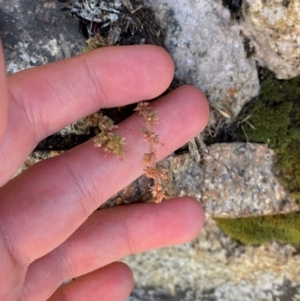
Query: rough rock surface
x=215 y=268
x=37 y=32
x=239 y=180
x=208 y=51
x=274 y=29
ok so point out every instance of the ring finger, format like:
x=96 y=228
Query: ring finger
x=110 y=283
x=111 y=234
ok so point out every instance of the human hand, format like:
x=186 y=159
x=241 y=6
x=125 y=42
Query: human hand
x=50 y=231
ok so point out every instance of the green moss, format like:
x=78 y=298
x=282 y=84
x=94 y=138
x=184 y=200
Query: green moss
x=276 y=120
x=257 y=230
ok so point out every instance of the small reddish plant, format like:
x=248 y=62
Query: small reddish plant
x=110 y=142
x=152 y=171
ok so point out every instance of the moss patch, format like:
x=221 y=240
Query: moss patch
x=275 y=120
x=257 y=230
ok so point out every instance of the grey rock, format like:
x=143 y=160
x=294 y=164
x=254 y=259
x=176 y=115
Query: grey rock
x=239 y=180
x=208 y=51
x=273 y=26
x=37 y=32
x=232 y=180
x=242 y=292
x=213 y=267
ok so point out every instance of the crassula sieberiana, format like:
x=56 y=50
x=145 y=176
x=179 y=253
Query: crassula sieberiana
x=111 y=142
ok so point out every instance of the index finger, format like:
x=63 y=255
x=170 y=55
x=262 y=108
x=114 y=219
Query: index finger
x=45 y=99
x=54 y=95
